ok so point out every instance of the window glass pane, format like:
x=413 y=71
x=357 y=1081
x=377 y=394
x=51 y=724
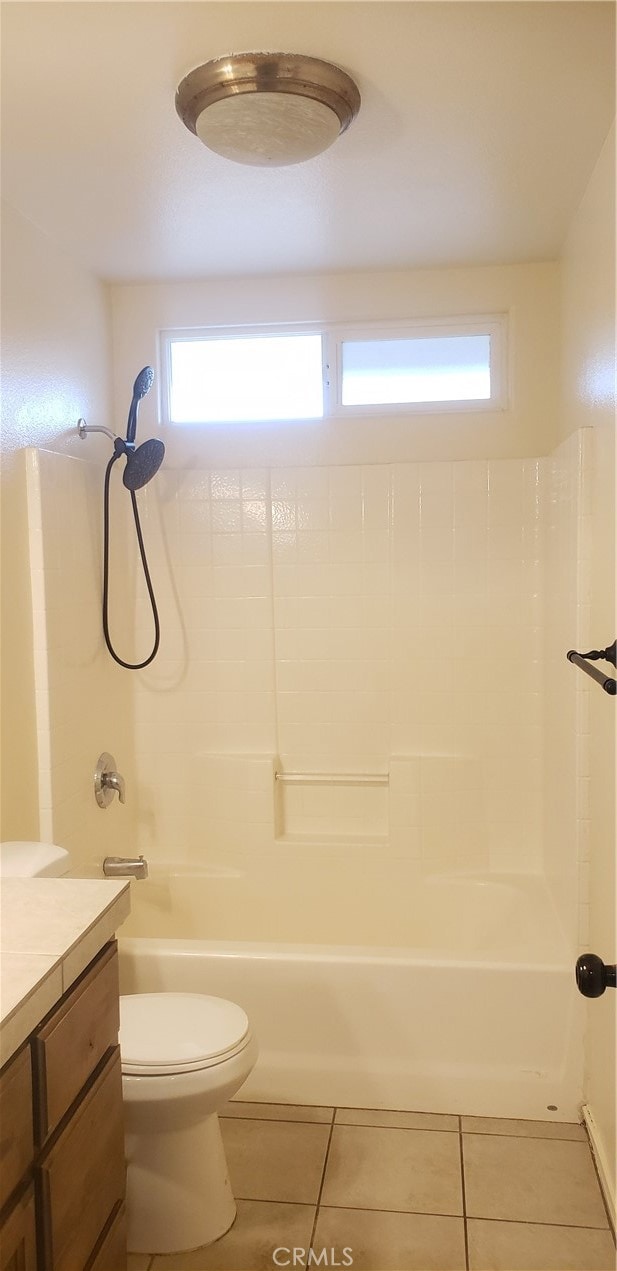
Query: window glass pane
x=246 y=378
x=423 y=369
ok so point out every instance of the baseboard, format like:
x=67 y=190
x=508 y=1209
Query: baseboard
x=602 y=1166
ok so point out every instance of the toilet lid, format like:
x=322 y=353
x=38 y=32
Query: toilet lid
x=176 y=1032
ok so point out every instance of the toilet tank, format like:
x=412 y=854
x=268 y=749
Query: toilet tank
x=33 y=860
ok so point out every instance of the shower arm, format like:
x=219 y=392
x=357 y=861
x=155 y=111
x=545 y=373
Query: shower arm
x=83 y=429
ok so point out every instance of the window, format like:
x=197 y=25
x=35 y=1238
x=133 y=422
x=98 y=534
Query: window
x=443 y=368
x=245 y=377
x=221 y=375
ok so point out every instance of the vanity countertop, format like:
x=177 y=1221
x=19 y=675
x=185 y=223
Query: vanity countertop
x=51 y=929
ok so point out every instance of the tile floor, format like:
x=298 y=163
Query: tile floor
x=405 y=1191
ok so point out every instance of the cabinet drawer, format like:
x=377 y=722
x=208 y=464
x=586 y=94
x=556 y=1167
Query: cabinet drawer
x=111 y=1255
x=18 y=1235
x=74 y=1039
x=16 y=1140
x=82 y=1175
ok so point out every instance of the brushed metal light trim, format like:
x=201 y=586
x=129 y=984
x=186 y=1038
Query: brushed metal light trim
x=290 y=73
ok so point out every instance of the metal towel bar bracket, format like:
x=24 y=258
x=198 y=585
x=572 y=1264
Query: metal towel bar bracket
x=583 y=660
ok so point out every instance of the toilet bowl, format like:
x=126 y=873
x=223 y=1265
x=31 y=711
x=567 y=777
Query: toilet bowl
x=183 y=1055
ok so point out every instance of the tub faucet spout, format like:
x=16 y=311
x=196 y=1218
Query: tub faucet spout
x=125 y=867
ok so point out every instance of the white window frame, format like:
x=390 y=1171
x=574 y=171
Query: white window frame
x=493 y=325
x=262 y=330
x=333 y=337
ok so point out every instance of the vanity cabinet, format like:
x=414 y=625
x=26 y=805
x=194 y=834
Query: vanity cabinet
x=16 y=1123
x=62 y=1142
x=18 y=1234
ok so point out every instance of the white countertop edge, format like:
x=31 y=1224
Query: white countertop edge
x=35 y=1002
x=32 y=894
x=52 y=973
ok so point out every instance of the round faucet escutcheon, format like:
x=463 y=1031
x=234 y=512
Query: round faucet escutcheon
x=107 y=781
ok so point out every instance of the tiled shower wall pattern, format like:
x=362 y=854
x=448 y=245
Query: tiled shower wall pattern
x=346 y=619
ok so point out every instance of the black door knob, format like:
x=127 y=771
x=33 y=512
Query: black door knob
x=592 y=976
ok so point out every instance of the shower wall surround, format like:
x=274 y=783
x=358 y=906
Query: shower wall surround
x=409 y=619
x=568 y=548
x=83 y=704
x=379 y=618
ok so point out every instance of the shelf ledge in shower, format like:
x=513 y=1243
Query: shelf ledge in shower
x=332 y=840
x=333 y=778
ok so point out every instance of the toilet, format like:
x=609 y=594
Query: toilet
x=25 y=858
x=183 y=1056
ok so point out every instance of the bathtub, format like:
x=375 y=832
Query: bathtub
x=383 y=989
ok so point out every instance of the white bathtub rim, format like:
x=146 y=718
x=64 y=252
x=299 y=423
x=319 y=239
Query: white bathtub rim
x=381 y=1067
x=362 y=954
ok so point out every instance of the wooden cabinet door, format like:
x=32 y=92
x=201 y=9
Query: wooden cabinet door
x=82 y=1175
x=74 y=1038
x=16 y=1143
x=18 y=1235
x=111 y=1254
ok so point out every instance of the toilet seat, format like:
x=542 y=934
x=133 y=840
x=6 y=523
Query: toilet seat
x=166 y=1033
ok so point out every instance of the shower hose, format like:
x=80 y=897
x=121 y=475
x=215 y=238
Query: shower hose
x=130 y=666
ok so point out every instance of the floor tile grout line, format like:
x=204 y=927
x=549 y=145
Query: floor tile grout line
x=533 y=1222
x=460 y=1148
x=276 y=1120
x=529 y=1138
x=361 y=1209
x=421 y=1129
x=323 y=1176
x=460 y=1129
x=424 y=1213
x=328 y=1107
x=263 y=1103
x=261 y=1200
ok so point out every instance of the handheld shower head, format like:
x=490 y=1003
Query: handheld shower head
x=142 y=385
x=143 y=463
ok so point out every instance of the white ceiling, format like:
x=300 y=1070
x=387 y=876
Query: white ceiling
x=480 y=124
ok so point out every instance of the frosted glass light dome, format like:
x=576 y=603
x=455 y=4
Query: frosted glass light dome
x=267 y=109
x=268 y=129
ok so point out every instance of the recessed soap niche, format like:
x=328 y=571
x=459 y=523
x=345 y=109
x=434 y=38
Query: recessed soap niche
x=331 y=807
x=249 y=799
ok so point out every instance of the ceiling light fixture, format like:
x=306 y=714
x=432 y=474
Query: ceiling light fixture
x=267 y=109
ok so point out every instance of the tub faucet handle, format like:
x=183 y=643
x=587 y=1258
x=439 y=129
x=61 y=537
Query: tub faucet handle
x=107 y=781
x=113 y=781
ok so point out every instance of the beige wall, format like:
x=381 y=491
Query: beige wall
x=588 y=339
x=55 y=368
x=529 y=294
x=55 y=342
